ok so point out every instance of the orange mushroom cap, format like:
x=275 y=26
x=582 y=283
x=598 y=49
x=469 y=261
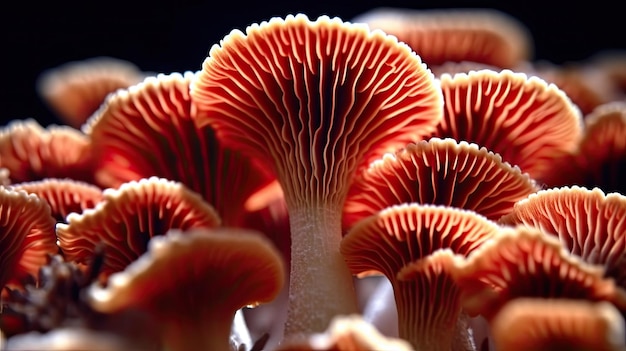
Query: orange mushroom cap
x=558 y=324
x=30 y=152
x=26 y=236
x=526 y=262
x=194 y=281
x=76 y=89
x=128 y=217
x=481 y=35
x=63 y=195
x=150 y=129
x=438 y=171
x=526 y=120
x=588 y=222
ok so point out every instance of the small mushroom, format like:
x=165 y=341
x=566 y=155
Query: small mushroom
x=194 y=282
x=558 y=324
x=75 y=90
x=315 y=100
x=128 y=217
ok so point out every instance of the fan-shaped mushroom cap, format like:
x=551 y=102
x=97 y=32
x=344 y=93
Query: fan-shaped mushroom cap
x=63 y=195
x=588 y=223
x=30 y=152
x=315 y=100
x=26 y=235
x=76 y=89
x=438 y=171
x=150 y=129
x=481 y=35
x=526 y=262
x=400 y=236
x=128 y=217
x=194 y=281
x=558 y=324
x=526 y=120
x=345 y=333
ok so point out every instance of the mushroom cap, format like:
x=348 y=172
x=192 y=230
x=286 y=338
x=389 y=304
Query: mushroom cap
x=315 y=100
x=588 y=222
x=30 y=152
x=63 y=195
x=128 y=217
x=400 y=234
x=438 y=171
x=527 y=262
x=558 y=324
x=26 y=236
x=482 y=35
x=195 y=275
x=76 y=89
x=345 y=333
x=526 y=120
x=150 y=129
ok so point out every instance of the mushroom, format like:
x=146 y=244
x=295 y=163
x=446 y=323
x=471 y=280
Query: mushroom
x=150 y=129
x=315 y=100
x=527 y=262
x=75 y=90
x=558 y=324
x=481 y=35
x=30 y=152
x=588 y=222
x=193 y=282
x=438 y=171
x=26 y=236
x=345 y=333
x=526 y=120
x=63 y=195
x=128 y=217
x=426 y=296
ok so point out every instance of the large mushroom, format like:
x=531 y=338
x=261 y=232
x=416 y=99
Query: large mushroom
x=316 y=100
x=150 y=129
x=194 y=282
x=427 y=298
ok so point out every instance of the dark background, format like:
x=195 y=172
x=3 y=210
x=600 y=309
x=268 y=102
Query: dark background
x=176 y=36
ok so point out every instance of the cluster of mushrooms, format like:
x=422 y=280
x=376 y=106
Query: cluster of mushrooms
x=404 y=180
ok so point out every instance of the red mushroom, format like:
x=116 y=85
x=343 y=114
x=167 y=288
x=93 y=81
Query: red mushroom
x=314 y=101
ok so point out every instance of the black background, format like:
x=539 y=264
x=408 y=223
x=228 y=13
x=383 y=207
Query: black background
x=176 y=36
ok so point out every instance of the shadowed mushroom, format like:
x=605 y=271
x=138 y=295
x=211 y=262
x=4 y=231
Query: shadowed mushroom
x=426 y=297
x=63 y=195
x=481 y=35
x=524 y=119
x=75 y=90
x=558 y=324
x=600 y=159
x=588 y=223
x=128 y=217
x=526 y=262
x=316 y=100
x=150 y=129
x=345 y=333
x=193 y=282
x=26 y=236
x=442 y=172
x=30 y=152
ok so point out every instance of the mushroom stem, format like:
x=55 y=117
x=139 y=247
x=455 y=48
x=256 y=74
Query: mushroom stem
x=320 y=285
x=209 y=334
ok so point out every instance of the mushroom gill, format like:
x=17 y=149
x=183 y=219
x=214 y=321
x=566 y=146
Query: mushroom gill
x=558 y=324
x=398 y=236
x=150 y=129
x=75 y=90
x=128 y=217
x=526 y=120
x=193 y=282
x=315 y=100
